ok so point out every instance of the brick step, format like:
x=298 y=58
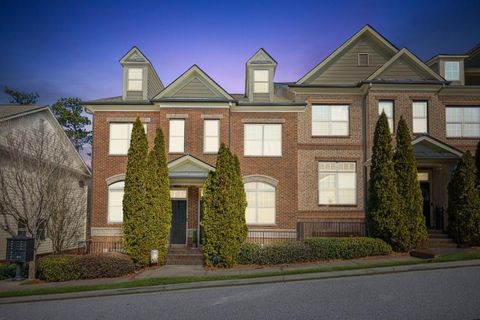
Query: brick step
x=438 y=236
x=184 y=259
x=434 y=231
x=184 y=250
x=441 y=243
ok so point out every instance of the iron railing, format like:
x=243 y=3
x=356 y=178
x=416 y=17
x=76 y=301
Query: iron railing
x=270 y=236
x=89 y=246
x=330 y=229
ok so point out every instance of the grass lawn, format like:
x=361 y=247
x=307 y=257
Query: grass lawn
x=190 y=279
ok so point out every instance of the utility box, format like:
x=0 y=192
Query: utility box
x=20 y=249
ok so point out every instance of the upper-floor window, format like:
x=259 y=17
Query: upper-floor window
x=120 y=134
x=260 y=203
x=452 y=70
x=363 y=60
x=463 y=122
x=115 y=202
x=330 y=120
x=135 y=79
x=337 y=183
x=211 y=136
x=177 y=136
x=420 y=122
x=387 y=107
x=261 y=81
x=263 y=140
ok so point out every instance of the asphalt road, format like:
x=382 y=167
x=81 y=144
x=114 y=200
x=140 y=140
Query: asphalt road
x=438 y=294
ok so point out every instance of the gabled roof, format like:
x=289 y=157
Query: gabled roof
x=261 y=57
x=405 y=53
x=367 y=29
x=189 y=167
x=427 y=147
x=10 y=111
x=198 y=77
x=134 y=55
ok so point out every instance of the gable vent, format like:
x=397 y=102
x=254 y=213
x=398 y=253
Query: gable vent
x=363 y=60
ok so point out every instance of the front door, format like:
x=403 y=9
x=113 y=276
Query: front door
x=425 y=187
x=178 y=231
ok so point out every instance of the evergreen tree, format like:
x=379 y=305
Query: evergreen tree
x=383 y=204
x=158 y=206
x=133 y=226
x=412 y=228
x=224 y=211
x=477 y=163
x=464 y=203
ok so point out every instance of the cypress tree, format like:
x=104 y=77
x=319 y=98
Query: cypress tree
x=464 y=203
x=477 y=163
x=224 y=211
x=158 y=203
x=383 y=204
x=412 y=229
x=134 y=194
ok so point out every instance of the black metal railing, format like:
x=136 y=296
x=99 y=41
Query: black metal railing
x=270 y=236
x=330 y=229
x=89 y=246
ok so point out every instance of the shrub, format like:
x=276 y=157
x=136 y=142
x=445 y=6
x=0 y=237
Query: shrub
x=71 y=267
x=7 y=271
x=315 y=249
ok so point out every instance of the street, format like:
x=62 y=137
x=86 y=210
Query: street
x=438 y=294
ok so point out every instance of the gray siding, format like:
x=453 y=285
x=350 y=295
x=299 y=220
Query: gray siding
x=402 y=69
x=261 y=97
x=344 y=68
x=154 y=86
x=134 y=95
x=195 y=89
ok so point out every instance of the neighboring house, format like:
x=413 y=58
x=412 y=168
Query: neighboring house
x=304 y=146
x=27 y=119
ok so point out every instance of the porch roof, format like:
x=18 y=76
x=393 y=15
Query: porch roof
x=427 y=147
x=188 y=170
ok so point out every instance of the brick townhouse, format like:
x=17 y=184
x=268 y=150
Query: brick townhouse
x=304 y=146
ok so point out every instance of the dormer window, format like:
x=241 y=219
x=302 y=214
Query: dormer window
x=260 y=81
x=363 y=60
x=135 y=79
x=452 y=70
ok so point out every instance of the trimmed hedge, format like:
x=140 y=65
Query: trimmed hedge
x=7 y=271
x=315 y=249
x=72 y=267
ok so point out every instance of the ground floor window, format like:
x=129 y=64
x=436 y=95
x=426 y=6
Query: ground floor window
x=260 y=203
x=337 y=183
x=115 y=200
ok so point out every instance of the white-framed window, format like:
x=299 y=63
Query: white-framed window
x=115 y=202
x=330 y=120
x=463 y=122
x=337 y=183
x=120 y=135
x=363 y=60
x=261 y=81
x=177 y=136
x=420 y=117
x=260 y=203
x=135 y=79
x=452 y=70
x=387 y=107
x=263 y=139
x=211 y=136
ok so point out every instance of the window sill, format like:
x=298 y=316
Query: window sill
x=274 y=157
x=260 y=225
x=334 y=137
x=338 y=205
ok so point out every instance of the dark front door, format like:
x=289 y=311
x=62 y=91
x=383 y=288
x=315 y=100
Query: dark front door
x=178 y=232
x=425 y=187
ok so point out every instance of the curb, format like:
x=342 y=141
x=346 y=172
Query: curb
x=243 y=282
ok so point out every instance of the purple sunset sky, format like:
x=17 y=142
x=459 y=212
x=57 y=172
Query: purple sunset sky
x=72 y=48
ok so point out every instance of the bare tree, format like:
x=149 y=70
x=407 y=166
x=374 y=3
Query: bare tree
x=39 y=185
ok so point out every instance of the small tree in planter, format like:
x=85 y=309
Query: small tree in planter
x=464 y=203
x=134 y=222
x=158 y=206
x=410 y=195
x=224 y=211
x=383 y=216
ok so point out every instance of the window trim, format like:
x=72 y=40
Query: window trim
x=336 y=135
x=109 y=221
x=141 y=79
x=262 y=139
x=274 y=223
x=445 y=69
x=461 y=123
x=205 y=135
x=355 y=204
x=170 y=136
x=358 y=59
x=110 y=136
x=426 y=116
x=267 y=81
x=392 y=130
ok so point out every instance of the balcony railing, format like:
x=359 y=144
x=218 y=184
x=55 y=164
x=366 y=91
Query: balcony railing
x=330 y=229
x=270 y=236
x=89 y=246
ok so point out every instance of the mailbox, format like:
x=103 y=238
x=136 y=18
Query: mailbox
x=20 y=249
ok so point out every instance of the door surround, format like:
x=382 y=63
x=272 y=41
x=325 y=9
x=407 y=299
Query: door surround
x=182 y=195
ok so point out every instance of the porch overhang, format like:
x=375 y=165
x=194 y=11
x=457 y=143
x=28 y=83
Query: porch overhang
x=188 y=170
x=429 y=148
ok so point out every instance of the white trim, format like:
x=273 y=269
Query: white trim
x=188 y=158
x=122 y=108
x=438 y=144
x=194 y=105
x=260 y=178
x=261 y=108
x=115 y=178
x=106 y=232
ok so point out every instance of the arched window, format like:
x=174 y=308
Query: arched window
x=115 y=199
x=260 y=203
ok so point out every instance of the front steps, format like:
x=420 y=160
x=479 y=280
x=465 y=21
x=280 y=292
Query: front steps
x=184 y=256
x=438 y=239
